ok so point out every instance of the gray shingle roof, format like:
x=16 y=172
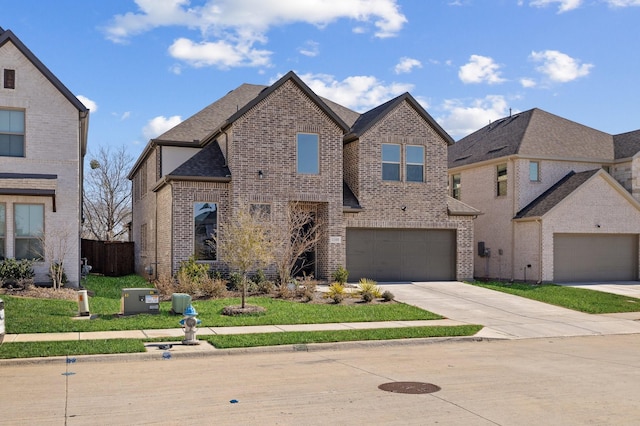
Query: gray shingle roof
x=554 y=195
x=458 y=208
x=534 y=132
x=203 y=123
x=348 y=197
x=369 y=118
x=626 y=145
x=208 y=162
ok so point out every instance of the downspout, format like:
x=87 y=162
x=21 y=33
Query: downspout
x=82 y=139
x=539 y=221
x=513 y=214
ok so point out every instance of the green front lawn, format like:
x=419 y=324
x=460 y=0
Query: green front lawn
x=578 y=299
x=25 y=315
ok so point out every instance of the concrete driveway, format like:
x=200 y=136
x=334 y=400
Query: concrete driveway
x=506 y=316
x=623 y=288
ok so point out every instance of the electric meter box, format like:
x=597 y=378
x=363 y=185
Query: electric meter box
x=140 y=301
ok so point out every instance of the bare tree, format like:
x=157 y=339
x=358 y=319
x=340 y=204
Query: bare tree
x=245 y=244
x=107 y=195
x=300 y=233
x=56 y=247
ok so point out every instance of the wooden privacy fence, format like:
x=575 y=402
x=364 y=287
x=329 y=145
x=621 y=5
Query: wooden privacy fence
x=110 y=258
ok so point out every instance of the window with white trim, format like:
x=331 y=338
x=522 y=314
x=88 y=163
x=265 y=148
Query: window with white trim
x=390 y=162
x=414 y=163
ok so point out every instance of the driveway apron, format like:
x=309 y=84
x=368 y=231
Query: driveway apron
x=506 y=316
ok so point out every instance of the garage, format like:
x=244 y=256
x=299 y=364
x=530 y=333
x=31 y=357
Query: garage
x=401 y=254
x=595 y=257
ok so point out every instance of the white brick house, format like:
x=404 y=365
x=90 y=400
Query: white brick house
x=43 y=138
x=558 y=199
x=377 y=180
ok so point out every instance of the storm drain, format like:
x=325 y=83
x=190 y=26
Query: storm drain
x=409 y=387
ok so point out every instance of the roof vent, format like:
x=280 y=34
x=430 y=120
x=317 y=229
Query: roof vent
x=496 y=149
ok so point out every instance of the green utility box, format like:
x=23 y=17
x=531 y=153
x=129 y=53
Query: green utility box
x=180 y=302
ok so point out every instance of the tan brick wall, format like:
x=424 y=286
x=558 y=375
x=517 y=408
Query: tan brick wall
x=607 y=208
x=265 y=139
x=51 y=147
x=425 y=202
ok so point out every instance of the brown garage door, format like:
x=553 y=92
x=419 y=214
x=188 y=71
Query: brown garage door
x=595 y=257
x=401 y=254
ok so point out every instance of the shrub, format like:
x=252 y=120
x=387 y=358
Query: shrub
x=340 y=275
x=336 y=292
x=387 y=296
x=166 y=285
x=259 y=277
x=213 y=287
x=265 y=287
x=235 y=281
x=368 y=289
x=306 y=289
x=16 y=270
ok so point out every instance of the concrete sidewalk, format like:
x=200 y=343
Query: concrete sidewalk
x=178 y=333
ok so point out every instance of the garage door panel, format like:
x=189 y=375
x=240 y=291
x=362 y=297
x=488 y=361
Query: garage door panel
x=401 y=254
x=595 y=257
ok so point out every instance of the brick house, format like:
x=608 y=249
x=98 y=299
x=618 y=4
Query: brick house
x=560 y=199
x=43 y=140
x=377 y=180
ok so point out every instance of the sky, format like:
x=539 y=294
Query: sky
x=143 y=66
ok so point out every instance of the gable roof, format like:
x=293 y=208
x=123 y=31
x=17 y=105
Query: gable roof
x=534 y=133
x=9 y=36
x=290 y=76
x=626 y=145
x=554 y=195
x=371 y=117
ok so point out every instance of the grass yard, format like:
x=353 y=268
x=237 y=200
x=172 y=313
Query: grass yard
x=28 y=315
x=578 y=299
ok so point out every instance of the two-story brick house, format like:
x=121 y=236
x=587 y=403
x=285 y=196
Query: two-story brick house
x=43 y=139
x=377 y=181
x=558 y=199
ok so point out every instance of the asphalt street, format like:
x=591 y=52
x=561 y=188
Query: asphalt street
x=550 y=381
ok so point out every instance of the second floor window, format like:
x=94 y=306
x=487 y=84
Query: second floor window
x=308 y=154
x=501 y=180
x=11 y=133
x=455 y=186
x=390 y=162
x=415 y=163
x=534 y=171
x=9 y=79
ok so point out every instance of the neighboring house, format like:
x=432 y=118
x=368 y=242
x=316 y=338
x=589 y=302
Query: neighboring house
x=377 y=181
x=557 y=197
x=43 y=138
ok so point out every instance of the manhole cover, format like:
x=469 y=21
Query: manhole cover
x=409 y=387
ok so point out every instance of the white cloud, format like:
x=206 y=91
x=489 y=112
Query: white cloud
x=93 y=107
x=160 y=124
x=480 y=69
x=563 y=5
x=125 y=115
x=406 y=65
x=559 y=67
x=623 y=3
x=461 y=120
x=311 y=48
x=527 y=82
x=220 y=54
x=360 y=93
x=227 y=28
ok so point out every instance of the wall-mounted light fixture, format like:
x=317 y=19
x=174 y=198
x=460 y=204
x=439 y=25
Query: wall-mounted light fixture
x=260 y=174
x=597 y=225
x=403 y=208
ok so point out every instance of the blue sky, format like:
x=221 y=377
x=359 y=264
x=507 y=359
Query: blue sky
x=142 y=66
